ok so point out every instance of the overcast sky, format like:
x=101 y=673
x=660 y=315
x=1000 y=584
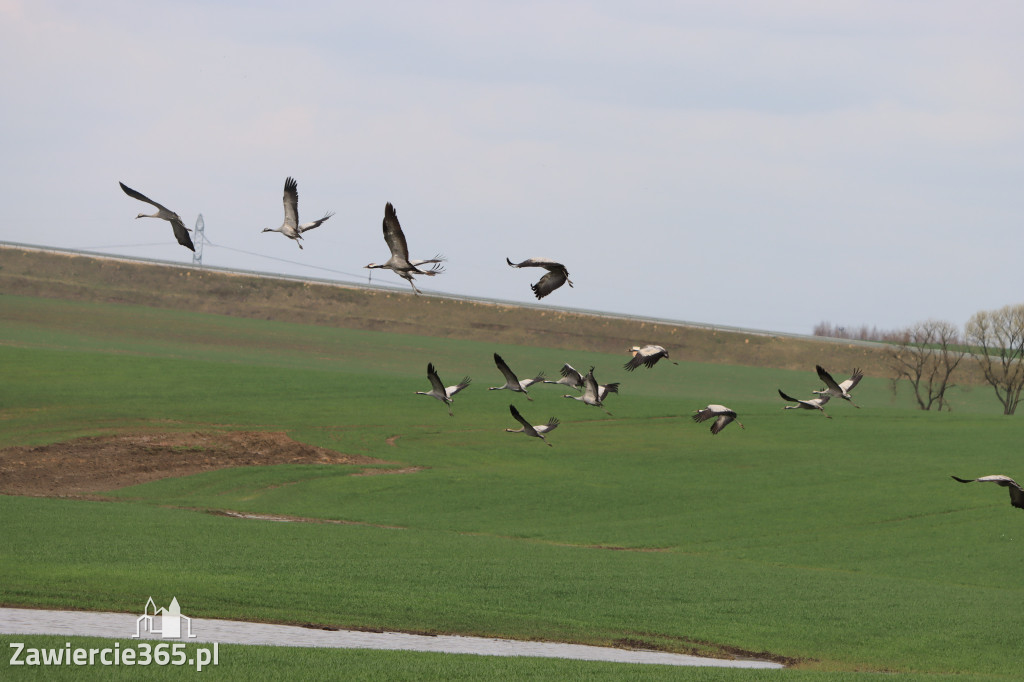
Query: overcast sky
x=758 y=164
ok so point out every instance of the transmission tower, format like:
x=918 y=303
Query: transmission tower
x=200 y=237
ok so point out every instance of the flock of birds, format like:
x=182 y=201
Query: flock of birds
x=394 y=237
x=590 y=391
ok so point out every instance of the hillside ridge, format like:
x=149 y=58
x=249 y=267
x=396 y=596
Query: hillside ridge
x=48 y=274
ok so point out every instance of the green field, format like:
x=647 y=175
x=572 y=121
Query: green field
x=840 y=545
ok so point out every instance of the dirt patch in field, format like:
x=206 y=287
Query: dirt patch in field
x=94 y=464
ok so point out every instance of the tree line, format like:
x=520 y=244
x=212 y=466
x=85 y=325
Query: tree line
x=926 y=355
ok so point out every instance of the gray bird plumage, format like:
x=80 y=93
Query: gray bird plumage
x=164 y=213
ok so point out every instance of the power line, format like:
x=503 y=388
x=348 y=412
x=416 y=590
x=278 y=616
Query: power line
x=284 y=260
x=117 y=246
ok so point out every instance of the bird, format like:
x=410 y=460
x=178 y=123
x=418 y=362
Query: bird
x=838 y=390
x=1016 y=492
x=290 y=227
x=399 y=262
x=512 y=382
x=537 y=431
x=555 y=277
x=723 y=417
x=164 y=213
x=571 y=377
x=592 y=394
x=438 y=389
x=647 y=356
x=812 y=404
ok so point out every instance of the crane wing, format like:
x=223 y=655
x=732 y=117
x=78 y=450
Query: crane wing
x=452 y=390
x=786 y=397
x=634 y=362
x=603 y=391
x=509 y=375
x=316 y=223
x=720 y=423
x=705 y=414
x=1016 y=494
x=181 y=233
x=519 y=418
x=827 y=378
x=570 y=372
x=393 y=234
x=142 y=197
x=291 y=202
x=548 y=283
x=435 y=381
x=550 y=426
x=590 y=392
x=537 y=263
x=849 y=384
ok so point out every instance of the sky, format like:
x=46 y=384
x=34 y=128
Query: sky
x=766 y=165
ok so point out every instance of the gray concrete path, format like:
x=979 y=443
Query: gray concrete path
x=122 y=626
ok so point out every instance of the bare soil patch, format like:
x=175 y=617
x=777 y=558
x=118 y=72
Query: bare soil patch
x=98 y=463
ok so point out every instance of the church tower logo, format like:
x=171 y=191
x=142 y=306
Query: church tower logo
x=163 y=622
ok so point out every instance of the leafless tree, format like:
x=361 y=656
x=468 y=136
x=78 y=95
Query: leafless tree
x=926 y=354
x=999 y=337
x=862 y=333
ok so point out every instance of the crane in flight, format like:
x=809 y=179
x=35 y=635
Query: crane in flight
x=440 y=391
x=537 y=431
x=722 y=415
x=164 y=213
x=646 y=356
x=840 y=390
x=291 y=227
x=593 y=393
x=812 y=404
x=555 y=277
x=1016 y=493
x=512 y=382
x=399 y=262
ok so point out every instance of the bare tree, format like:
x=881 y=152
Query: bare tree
x=926 y=354
x=999 y=335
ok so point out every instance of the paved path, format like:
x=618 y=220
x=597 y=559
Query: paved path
x=122 y=626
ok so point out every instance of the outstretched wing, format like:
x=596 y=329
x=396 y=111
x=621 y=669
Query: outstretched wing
x=786 y=397
x=703 y=415
x=537 y=263
x=1016 y=494
x=181 y=233
x=142 y=197
x=548 y=283
x=722 y=421
x=590 y=391
x=641 y=356
x=316 y=223
x=393 y=234
x=436 y=259
x=830 y=383
x=452 y=390
x=849 y=384
x=550 y=426
x=519 y=418
x=571 y=373
x=291 y=202
x=435 y=381
x=509 y=375
x=603 y=391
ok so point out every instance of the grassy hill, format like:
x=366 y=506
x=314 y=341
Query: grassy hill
x=840 y=546
x=53 y=275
